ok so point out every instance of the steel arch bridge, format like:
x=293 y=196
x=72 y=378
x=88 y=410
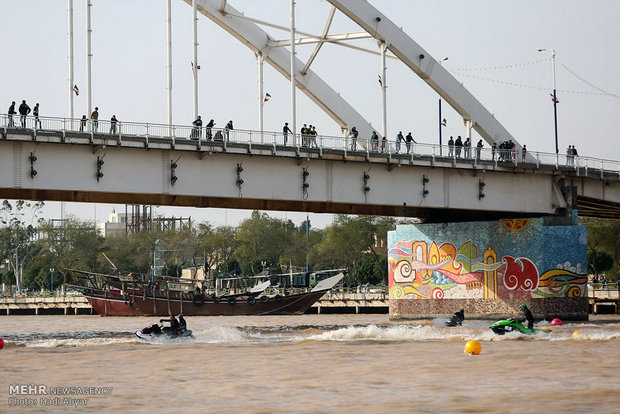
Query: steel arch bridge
x=375 y=25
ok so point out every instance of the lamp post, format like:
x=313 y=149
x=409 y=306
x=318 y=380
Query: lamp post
x=555 y=97
x=440 y=120
x=52 y=285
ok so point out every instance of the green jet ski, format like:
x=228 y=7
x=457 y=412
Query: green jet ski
x=515 y=325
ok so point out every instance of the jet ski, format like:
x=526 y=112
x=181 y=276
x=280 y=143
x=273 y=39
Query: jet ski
x=163 y=331
x=457 y=319
x=515 y=325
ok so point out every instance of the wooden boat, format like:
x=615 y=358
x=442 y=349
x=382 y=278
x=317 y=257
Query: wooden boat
x=161 y=303
x=109 y=302
x=130 y=296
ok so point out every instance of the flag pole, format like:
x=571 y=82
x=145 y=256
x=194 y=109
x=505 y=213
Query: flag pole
x=261 y=101
x=383 y=47
x=195 y=45
x=292 y=69
x=89 y=57
x=70 y=17
x=440 y=126
x=169 y=50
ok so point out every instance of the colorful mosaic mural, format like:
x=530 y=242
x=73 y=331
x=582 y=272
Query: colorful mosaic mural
x=519 y=258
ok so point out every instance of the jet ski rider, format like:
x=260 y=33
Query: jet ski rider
x=459 y=316
x=182 y=323
x=528 y=316
x=174 y=324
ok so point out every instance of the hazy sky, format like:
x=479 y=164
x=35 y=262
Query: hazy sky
x=491 y=45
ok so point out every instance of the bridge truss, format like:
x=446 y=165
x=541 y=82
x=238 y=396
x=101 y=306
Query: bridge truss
x=375 y=25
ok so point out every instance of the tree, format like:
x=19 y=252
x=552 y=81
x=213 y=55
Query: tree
x=599 y=262
x=604 y=237
x=72 y=244
x=17 y=233
x=352 y=242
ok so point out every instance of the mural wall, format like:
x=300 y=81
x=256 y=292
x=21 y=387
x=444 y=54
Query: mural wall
x=507 y=259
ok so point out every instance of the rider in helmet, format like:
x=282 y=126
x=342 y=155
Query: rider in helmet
x=460 y=316
x=182 y=323
x=528 y=316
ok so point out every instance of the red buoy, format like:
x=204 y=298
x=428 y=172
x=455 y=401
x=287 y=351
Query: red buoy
x=1 y=343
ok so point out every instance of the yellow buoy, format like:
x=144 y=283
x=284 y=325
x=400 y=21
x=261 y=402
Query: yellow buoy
x=473 y=347
x=576 y=333
x=545 y=327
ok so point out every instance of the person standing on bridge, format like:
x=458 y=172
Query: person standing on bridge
x=229 y=127
x=478 y=149
x=409 y=140
x=11 y=113
x=285 y=132
x=458 y=146
x=399 y=139
x=210 y=126
x=83 y=122
x=113 y=122
x=35 y=112
x=523 y=153
x=451 y=147
x=95 y=118
x=467 y=147
x=374 y=141
x=197 y=130
x=313 y=135
x=354 y=135
x=24 y=110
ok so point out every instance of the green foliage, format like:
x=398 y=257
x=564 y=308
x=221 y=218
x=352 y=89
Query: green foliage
x=352 y=242
x=599 y=262
x=604 y=237
x=17 y=232
x=355 y=243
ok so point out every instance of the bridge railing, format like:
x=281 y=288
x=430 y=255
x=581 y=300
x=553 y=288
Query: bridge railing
x=386 y=148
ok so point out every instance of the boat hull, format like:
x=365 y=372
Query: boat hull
x=296 y=304
x=112 y=306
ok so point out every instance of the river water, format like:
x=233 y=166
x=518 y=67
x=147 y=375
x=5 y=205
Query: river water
x=307 y=364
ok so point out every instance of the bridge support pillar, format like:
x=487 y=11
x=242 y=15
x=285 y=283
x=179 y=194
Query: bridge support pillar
x=8 y=311
x=66 y=310
x=357 y=310
x=489 y=269
x=36 y=310
x=75 y=311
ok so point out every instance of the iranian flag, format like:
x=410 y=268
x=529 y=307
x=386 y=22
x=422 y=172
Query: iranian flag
x=380 y=81
x=444 y=122
x=76 y=90
x=553 y=98
x=267 y=97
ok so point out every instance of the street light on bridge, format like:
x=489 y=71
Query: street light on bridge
x=555 y=97
x=440 y=119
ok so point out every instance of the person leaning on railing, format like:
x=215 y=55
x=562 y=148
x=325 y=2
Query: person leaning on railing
x=197 y=130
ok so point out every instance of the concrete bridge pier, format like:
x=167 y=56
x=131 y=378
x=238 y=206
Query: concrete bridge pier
x=489 y=268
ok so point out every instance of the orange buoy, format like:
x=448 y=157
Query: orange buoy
x=473 y=347
x=576 y=333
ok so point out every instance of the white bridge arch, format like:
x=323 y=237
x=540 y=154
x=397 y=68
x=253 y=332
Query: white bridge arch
x=376 y=25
